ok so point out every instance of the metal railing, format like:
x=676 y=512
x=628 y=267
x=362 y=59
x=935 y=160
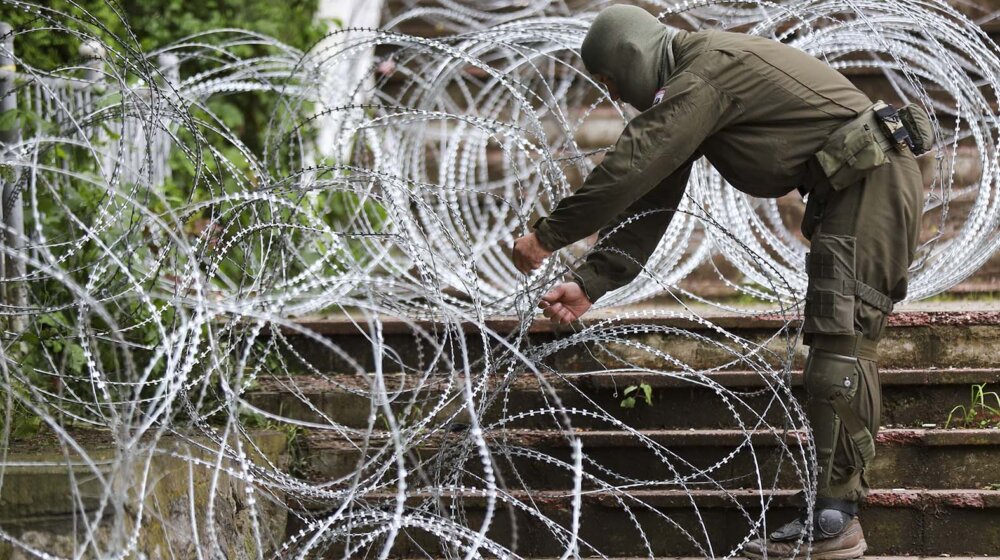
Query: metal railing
x=48 y=96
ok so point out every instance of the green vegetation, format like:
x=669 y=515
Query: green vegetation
x=152 y=24
x=23 y=423
x=155 y=23
x=294 y=440
x=50 y=353
x=980 y=412
x=632 y=391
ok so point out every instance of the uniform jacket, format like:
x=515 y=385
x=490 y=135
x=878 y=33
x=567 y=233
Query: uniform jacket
x=755 y=108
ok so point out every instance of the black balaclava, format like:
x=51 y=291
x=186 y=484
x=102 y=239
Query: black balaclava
x=630 y=46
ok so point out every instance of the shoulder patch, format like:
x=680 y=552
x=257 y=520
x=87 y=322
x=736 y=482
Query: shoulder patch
x=659 y=96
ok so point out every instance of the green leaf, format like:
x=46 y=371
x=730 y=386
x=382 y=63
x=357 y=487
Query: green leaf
x=647 y=392
x=628 y=402
x=76 y=358
x=8 y=119
x=27 y=427
x=109 y=100
x=630 y=389
x=111 y=133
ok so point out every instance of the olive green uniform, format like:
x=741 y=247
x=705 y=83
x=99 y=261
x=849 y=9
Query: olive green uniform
x=759 y=111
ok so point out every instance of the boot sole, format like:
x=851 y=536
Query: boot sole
x=856 y=551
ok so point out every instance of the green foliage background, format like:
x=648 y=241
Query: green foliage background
x=158 y=22
x=50 y=345
x=154 y=23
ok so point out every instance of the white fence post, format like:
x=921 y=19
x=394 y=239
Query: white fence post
x=14 y=268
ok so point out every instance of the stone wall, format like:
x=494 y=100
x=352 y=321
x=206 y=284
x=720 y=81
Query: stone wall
x=38 y=506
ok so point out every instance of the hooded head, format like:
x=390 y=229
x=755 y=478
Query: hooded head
x=631 y=47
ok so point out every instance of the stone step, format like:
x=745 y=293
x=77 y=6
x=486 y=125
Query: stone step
x=640 y=338
x=708 y=523
x=911 y=398
x=737 y=557
x=542 y=459
x=918 y=388
x=53 y=493
x=867 y=557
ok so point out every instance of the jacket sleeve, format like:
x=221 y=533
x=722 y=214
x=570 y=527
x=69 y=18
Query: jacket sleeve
x=626 y=244
x=653 y=146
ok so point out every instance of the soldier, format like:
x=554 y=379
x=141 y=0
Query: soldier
x=770 y=119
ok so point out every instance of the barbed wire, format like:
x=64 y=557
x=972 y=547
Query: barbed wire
x=173 y=272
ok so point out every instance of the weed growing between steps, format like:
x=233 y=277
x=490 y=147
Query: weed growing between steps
x=642 y=390
x=982 y=410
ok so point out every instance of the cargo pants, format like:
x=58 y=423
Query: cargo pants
x=863 y=239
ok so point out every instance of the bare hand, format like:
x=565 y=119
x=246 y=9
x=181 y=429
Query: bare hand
x=529 y=253
x=565 y=303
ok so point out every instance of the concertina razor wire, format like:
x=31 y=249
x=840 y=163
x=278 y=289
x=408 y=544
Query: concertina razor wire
x=168 y=265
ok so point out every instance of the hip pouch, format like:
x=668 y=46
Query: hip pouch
x=852 y=151
x=919 y=126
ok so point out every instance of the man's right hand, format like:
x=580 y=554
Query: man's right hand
x=565 y=303
x=529 y=253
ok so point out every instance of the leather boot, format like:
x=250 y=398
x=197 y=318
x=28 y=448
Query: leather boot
x=836 y=536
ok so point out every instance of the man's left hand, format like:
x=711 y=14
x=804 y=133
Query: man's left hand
x=529 y=253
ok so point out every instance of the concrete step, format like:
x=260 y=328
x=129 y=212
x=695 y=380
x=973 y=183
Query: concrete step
x=53 y=493
x=867 y=557
x=542 y=459
x=956 y=516
x=710 y=523
x=641 y=338
x=911 y=398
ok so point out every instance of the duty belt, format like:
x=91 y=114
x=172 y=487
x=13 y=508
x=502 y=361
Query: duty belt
x=846 y=345
x=884 y=121
x=892 y=126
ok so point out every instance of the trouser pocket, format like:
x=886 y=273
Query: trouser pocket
x=829 y=305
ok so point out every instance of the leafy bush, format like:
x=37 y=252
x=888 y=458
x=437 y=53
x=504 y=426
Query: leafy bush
x=51 y=355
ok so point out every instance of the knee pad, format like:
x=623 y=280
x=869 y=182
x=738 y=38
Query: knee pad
x=831 y=382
